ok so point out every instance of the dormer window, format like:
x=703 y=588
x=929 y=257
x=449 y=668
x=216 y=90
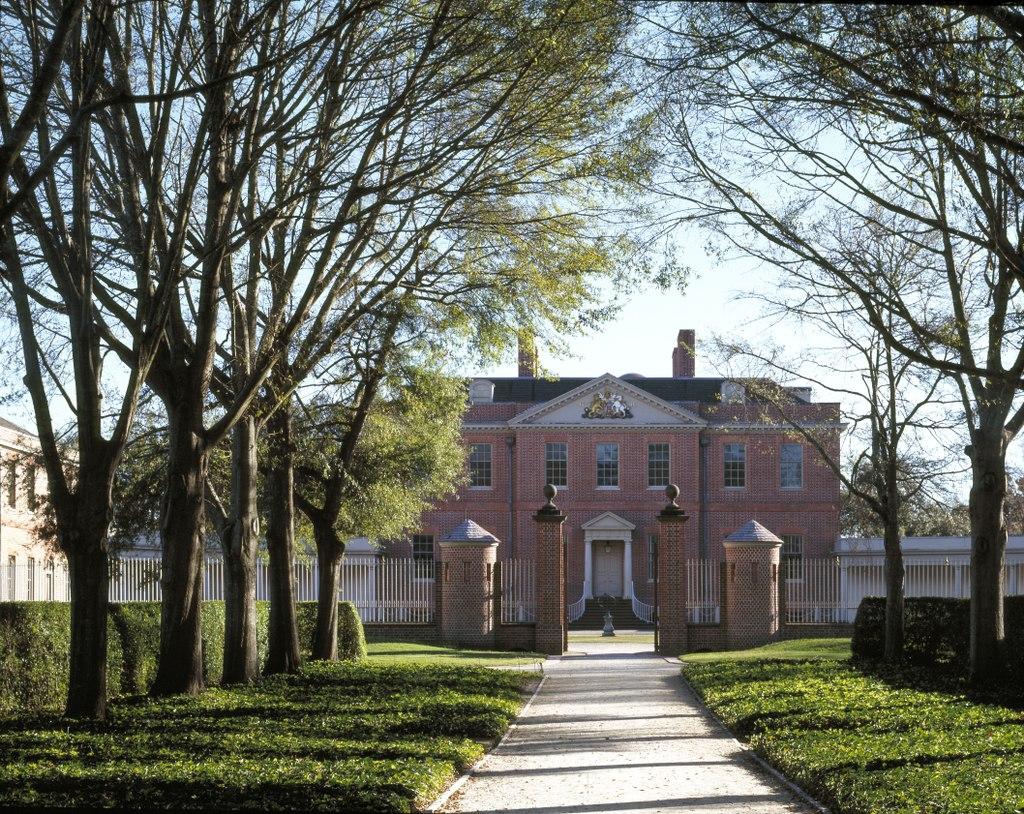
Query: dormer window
x=481 y=391
x=733 y=393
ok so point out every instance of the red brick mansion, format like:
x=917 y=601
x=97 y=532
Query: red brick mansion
x=611 y=444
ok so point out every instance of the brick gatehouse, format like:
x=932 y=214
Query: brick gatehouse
x=611 y=444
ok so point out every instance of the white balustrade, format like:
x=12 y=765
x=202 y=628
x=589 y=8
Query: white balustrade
x=641 y=610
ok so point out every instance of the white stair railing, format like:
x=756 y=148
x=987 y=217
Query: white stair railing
x=575 y=610
x=641 y=610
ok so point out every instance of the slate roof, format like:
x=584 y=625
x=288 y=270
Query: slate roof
x=532 y=391
x=469 y=532
x=526 y=390
x=752 y=532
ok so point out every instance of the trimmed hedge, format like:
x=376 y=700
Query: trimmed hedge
x=936 y=633
x=351 y=636
x=35 y=642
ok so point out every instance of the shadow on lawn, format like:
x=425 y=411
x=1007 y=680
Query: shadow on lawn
x=212 y=796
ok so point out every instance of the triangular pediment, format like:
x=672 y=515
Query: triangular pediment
x=607 y=401
x=608 y=521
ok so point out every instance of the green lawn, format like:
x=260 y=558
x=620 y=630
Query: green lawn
x=620 y=637
x=378 y=736
x=796 y=649
x=412 y=653
x=861 y=744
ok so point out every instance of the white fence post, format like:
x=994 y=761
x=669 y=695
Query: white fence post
x=703 y=592
x=518 y=591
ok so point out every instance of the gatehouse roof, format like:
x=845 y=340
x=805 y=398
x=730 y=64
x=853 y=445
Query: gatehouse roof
x=752 y=532
x=469 y=531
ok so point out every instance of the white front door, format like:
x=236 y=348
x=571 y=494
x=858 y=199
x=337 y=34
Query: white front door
x=608 y=568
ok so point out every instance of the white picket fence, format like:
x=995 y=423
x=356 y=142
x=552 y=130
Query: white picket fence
x=703 y=592
x=396 y=590
x=518 y=591
x=829 y=590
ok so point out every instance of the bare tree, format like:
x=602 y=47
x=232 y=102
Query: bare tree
x=825 y=151
x=74 y=303
x=898 y=428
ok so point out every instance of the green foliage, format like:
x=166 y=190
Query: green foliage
x=863 y=744
x=35 y=638
x=340 y=737
x=35 y=643
x=351 y=638
x=408 y=454
x=936 y=632
x=138 y=628
x=212 y=620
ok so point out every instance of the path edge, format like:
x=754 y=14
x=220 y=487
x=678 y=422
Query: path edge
x=751 y=753
x=462 y=779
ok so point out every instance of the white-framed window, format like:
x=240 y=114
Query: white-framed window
x=423 y=555
x=480 y=466
x=652 y=556
x=556 y=464
x=30 y=487
x=608 y=466
x=735 y=466
x=12 y=484
x=30 y=579
x=12 y=576
x=657 y=465
x=793 y=556
x=791 y=466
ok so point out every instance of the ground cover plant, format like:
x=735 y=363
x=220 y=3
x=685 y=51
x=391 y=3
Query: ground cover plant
x=864 y=742
x=339 y=736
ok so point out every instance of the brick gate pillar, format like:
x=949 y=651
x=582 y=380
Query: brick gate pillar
x=550 y=630
x=671 y=610
x=468 y=554
x=751 y=586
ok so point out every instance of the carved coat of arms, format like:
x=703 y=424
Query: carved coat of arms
x=607 y=405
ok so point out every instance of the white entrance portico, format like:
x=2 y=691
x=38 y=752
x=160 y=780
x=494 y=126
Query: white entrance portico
x=610 y=536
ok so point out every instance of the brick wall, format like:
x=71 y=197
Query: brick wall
x=467 y=596
x=751 y=594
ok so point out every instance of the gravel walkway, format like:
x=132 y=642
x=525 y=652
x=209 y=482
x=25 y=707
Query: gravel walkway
x=614 y=728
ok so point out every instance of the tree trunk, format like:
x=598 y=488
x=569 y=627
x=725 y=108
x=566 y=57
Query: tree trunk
x=283 y=646
x=894 y=584
x=241 y=658
x=988 y=545
x=180 y=667
x=87 y=686
x=329 y=550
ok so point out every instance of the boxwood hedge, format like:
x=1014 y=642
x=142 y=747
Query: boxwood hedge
x=351 y=637
x=936 y=633
x=35 y=640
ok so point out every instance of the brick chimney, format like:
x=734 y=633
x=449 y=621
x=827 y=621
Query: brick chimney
x=527 y=356
x=684 y=354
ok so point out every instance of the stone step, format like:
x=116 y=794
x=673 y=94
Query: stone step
x=593 y=615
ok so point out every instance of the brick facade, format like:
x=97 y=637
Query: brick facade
x=694 y=418
x=671 y=582
x=751 y=593
x=550 y=630
x=467 y=593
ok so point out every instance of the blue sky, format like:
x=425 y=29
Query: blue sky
x=641 y=338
